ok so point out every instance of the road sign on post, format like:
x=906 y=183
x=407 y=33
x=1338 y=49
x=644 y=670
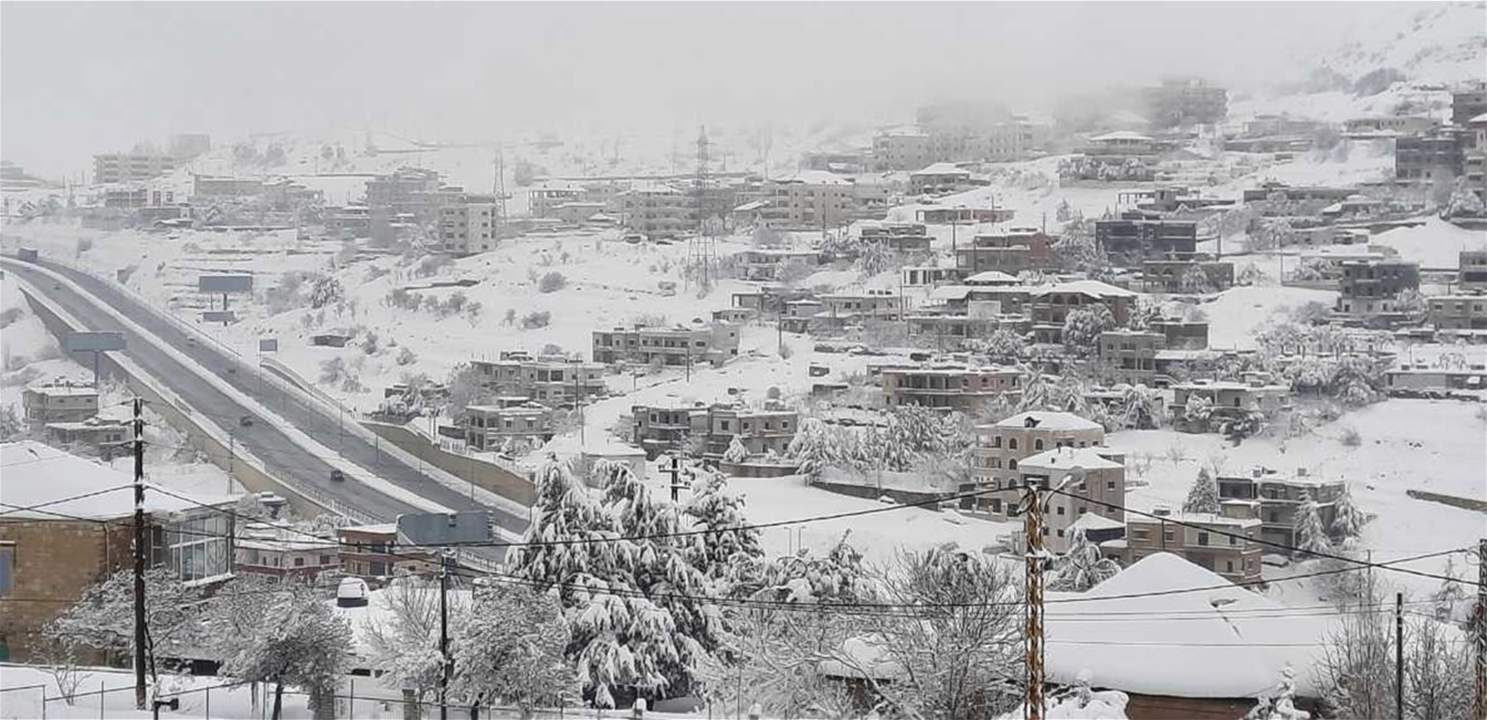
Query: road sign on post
x=224 y=284
x=97 y=343
x=444 y=529
x=268 y=345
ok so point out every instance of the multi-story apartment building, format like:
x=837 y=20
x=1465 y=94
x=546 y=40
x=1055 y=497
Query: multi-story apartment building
x=760 y=430
x=130 y=167
x=1472 y=273
x=1091 y=482
x=1140 y=235
x=775 y=263
x=901 y=149
x=1011 y=252
x=950 y=387
x=1185 y=101
x=1428 y=160
x=1390 y=124
x=1458 y=312
x=1178 y=276
x=498 y=427
x=941 y=178
x=1224 y=542
x=370 y=553
x=407 y=198
x=467 y=228
x=658 y=429
x=835 y=312
x=58 y=403
x=545 y=195
x=808 y=199
x=1228 y=400
x=1369 y=289
x=1050 y=305
x=900 y=236
x=1279 y=496
x=1474 y=161
x=714 y=342
x=1467 y=102
x=551 y=382
x=1130 y=355
x=1001 y=446
x=1181 y=334
x=655 y=210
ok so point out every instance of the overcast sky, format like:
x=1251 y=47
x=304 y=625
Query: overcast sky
x=81 y=78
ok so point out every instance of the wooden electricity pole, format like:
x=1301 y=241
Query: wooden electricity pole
x=1479 y=634
x=1032 y=523
x=139 y=554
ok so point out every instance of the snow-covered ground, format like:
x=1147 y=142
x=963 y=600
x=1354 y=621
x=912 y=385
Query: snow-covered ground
x=1432 y=445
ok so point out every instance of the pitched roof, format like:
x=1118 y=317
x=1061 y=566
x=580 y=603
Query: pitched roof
x=1068 y=457
x=1230 y=643
x=1050 y=420
x=1093 y=288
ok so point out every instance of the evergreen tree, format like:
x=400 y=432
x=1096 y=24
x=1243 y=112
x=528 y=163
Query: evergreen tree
x=1082 y=567
x=720 y=555
x=736 y=452
x=812 y=448
x=1311 y=536
x=1203 y=497
x=1449 y=593
x=658 y=566
x=1348 y=521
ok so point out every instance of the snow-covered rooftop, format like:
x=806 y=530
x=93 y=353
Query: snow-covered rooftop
x=991 y=277
x=1121 y=135
x=1223 y=643
x=1049 y=420
x=36 y=474
x=1093 y=288
x=1069 y=457
x=942 y=168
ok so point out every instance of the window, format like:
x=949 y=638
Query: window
x=1228 y=566
x=1202 y=537
x=1061 y=510
x=996 y=441
x=7 y=568
x=1109 y=484
x=1012 y=464
x=1038 y=444
x=299 y=562
x=1012 y=443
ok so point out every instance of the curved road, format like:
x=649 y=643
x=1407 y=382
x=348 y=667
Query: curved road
x=284 y=458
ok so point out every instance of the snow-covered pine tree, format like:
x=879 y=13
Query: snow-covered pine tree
x=723 y=553
x=1348 y=520
x=811 y=447
x=1082 y=328
x=736 y=452
x=1311 y=536
x=1449 y=593
x=1082 y=567
x=1203 y=497
x=659 y=567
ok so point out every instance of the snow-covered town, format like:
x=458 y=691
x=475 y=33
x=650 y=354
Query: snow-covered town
x=982 y=361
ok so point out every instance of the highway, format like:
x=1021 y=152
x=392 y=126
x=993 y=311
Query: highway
x=283 y=457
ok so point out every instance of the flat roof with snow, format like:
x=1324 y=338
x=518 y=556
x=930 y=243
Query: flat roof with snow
x=36 y=474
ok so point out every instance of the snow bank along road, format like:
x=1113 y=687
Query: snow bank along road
x=287 y=459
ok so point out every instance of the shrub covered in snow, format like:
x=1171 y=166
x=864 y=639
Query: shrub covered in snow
x=552 y=281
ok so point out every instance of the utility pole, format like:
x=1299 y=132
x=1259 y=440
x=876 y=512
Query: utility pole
x=444 y=632
x=139 y=554
x=1399 y=655
x=1032 y=523
x=1479 y=698
x=673 y=470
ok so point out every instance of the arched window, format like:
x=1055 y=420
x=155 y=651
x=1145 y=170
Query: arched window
x=1038 y=444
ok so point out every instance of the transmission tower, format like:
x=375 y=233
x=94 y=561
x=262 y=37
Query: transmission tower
x=498 y=189
x=702 y=247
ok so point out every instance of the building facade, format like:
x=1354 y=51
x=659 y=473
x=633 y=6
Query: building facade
x=59 y=403
x=956 y=387
x=1223 y=542
x=714 y=342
